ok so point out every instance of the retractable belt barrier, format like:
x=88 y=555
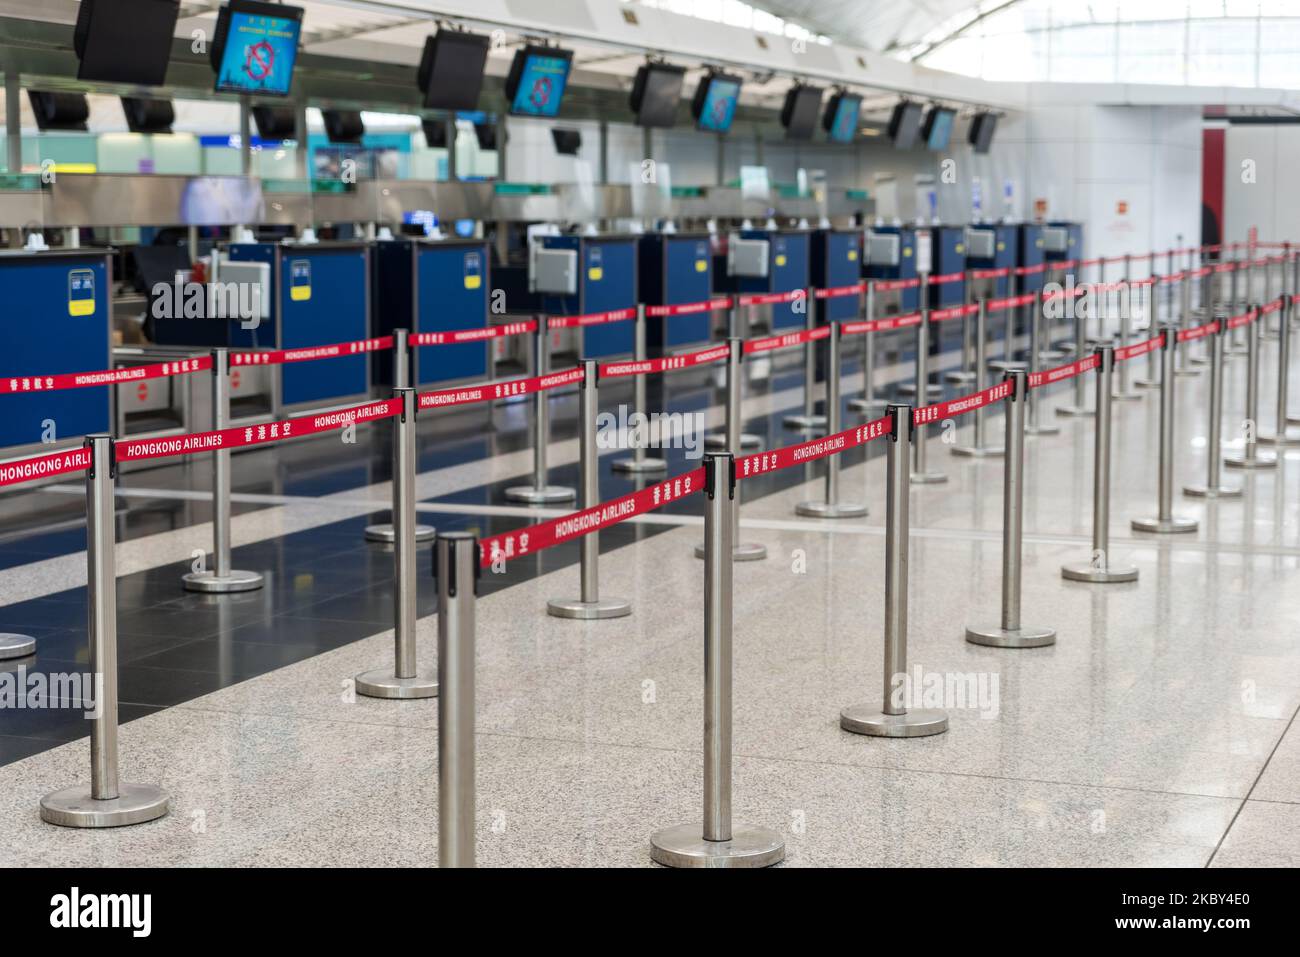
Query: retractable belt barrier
x=490 y=391
x=273 y=357
x=590 y=319
x=453 y=336
x=688 y=360
x=690 y=308
x=80 y=380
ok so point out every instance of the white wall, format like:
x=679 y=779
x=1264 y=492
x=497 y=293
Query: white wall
x=1271 y=203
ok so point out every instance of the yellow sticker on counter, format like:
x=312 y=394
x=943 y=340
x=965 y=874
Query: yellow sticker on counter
x=853 y=255
x=473 y=281
x=81 y=292
x=1038 y=243
x=1002 y=247
x=701 y=265
x=780 y=260
x=961 y=247
x=595 y=273
x=300 y=280
x=907 y=252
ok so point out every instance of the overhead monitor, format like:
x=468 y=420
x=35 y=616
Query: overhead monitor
x=905 y=124
x=148 y=116
x=275 y=122
x=981 y=131
x=435 y=133
x=59 y=111
x=714 y=106
x=656 y=91
x=343 y=126
x=841 y=119
x=255 y=47
x=537 y=78
x=124 y=41
x=451 y=69
x=567 y=142
x=937 y=130
x=799 y=115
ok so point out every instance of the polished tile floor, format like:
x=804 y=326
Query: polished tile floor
x=1158 y=730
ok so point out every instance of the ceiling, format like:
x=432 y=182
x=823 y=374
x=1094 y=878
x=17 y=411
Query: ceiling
x=882 y=25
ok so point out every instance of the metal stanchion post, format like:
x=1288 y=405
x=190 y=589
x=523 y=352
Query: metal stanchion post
x=809 y=420
x=930 y=390
x=718 y=441
x=1152 y=377
x=1011 y=632
x=590 y=605
x=1123 y=392
x=1035 y=425
x=978 y=449
x=832 y=507
x=640 y=462
x=1183 y=319
x=742 y=551
x=893 y=719
x=1251 y=458
x=1213 y=488
x=457 y=570
x=540 y=493
x=14 y=645
x=1282 y=419
x=966 y=373
x=1101 y=569
x=1165 y=521
x=868 y=402
x=106 y=802
x=221 y=578
x=716 y=842
x=1080 y=404
x=401 y=379
x=921 y=474
x=403 y=680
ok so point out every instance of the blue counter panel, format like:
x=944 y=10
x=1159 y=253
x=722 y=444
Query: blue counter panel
x=321 y=296
x=675 y=271
x=55 y=320
x=452 y=289
x=836 y=262
x=607 y=280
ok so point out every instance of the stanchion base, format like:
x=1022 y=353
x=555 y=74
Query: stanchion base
x=74 y=807
x=1172 y=526
x=959 y=376
x=978 y=451
x=589 y=610
x=384 y=533
x=1198 y=360
x=1042 y=430
x=540 y=496
x=1219 y=491
x=865 y=719
x=639 y=465
x=933 y=390
x=1002 y=365
x=828 y=510
x=382 y=683
x=718 y=440
x=928 y=478
x=1075 y=411
x=210 y=583
x=1088 y=572
x=804 y=423
x=743 y=552
x=1283 y=440
x=1187 y=372
x=1261 y=460
x=685 y=846
x=995 y=636
x=868 y=405
x=1127 y=396
x=1146 y=383
x=16 y=646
